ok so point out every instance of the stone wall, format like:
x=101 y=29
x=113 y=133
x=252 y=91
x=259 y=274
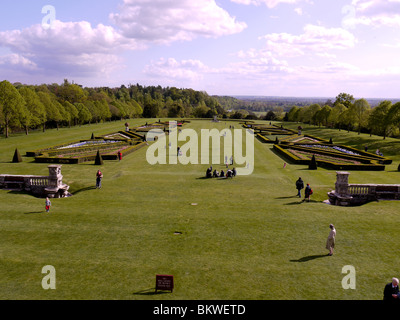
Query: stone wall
x=41 y=186
x=346 y=194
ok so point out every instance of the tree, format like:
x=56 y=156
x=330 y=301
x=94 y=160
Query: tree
x=270 y=116
x=151 y=108
x=25 y=118
x=335 y=117
x=394 y=115
x=84 y=115
x=71 y=93
x=348 y=118
x=201 y=110
x=53 y=110
x=344 y=98
x=323 y=115
x=11 y=103
x=176 y=109
x=293 y=114
x=95 y=112
x=103 y=109
x=310 y=114
x=117 y=110
x=137 y=108
x=72 y=113
x=360 y=108
x=35 y=107
x=379 y=121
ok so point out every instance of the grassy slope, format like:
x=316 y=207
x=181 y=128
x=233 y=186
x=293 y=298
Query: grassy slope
x=247 y=238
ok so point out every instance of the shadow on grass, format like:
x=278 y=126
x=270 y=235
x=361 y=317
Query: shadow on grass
x=83 y=190
x=289 y=197
x=17 y=191
x=34 y=212
x=293 y=203
x=21 y=192
x=214 y=178
x=150 y=292
x=300 y=202
x=309 y=258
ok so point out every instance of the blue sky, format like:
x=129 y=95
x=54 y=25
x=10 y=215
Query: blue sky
x=225 y=47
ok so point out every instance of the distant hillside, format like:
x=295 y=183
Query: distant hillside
x=266 y=103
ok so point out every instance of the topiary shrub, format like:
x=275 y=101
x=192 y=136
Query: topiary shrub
x=313 y=164
x=99 y=160
x=17 y=157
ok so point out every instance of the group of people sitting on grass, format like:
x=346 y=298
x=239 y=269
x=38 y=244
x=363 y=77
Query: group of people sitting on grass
x=215 y=174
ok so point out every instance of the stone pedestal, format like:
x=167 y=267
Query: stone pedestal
x=340 y=196
x=342 y=183
x=56 y=188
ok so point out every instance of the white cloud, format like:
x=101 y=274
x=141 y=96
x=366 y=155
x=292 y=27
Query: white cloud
x=66 y=38
x=190 y=70
x=68 y=48
x=253 y=64
x=268 y=3
x=375 y=13
x=314 y=39
x=17 y=61
x=80 y=49
x=299 y=11
x=165 y=21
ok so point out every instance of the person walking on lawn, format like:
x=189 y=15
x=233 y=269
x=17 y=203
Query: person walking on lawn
x=48 y=204
x=299 y=186
x=330 y=242
x=307 y=193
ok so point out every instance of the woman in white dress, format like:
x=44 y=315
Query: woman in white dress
x=330 y=242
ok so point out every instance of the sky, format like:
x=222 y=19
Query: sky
x=287 y=48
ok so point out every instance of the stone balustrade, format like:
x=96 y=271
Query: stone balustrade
x=346 y=194
x=42 y=186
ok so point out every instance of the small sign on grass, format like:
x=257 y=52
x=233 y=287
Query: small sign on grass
x=164 y=282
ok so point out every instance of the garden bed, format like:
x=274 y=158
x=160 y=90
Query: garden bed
x=86 y=150
x=335 y=160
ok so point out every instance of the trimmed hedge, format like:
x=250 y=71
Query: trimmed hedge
x=371 y=166
x=86 y=153
x=56 y=149
x=288 y=140
x=360 y=158
x=88 y=158
x=264 y=139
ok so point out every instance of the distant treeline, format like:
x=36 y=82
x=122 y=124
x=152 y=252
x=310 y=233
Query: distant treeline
x=264 y=104
x=51 y=105
x=27 y=107
x=373 y=116
x=352 y=115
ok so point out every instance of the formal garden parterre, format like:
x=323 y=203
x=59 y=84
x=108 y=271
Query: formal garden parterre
x=108 y=145
x=298 y=148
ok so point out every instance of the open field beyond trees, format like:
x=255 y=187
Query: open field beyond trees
x=246 y=238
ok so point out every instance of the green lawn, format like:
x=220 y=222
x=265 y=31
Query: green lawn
x=247 y=237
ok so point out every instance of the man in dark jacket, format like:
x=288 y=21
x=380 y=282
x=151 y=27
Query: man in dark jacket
x=391 y=292
x=299 y=186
